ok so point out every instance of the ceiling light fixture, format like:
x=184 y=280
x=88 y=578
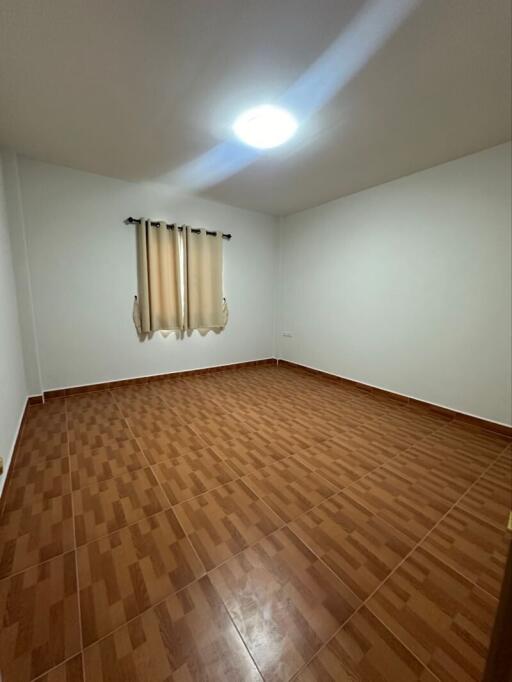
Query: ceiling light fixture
x=265 y=126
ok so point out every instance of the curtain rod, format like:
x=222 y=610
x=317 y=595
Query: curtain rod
x=135 y=221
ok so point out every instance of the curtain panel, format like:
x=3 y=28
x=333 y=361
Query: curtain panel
x=180 y=280
x=205 y=305
x=160 y=274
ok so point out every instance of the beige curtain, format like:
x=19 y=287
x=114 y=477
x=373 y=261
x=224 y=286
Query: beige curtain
x=160 y=302
x=205 y=305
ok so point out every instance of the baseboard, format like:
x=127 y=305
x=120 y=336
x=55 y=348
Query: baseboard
x=14 y=449
x=480 y=422
x=73 y=390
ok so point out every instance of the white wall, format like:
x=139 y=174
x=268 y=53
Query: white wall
x=22 y=277
x=13 y=390
x=83 y=270
x=407 y=286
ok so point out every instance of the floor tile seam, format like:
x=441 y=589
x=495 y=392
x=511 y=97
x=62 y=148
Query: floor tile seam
x=14 y=574
x=205 y=492
x=77 y=577
x=73 y=491
x=442 y=560
x=392 y=530
x=267 y=505
x=239 y=634
x=402 y=452
x=358 y=480
x=395 y=569
x=185 y=535
x=344 y=624
x=54 y=667
x=480 y=517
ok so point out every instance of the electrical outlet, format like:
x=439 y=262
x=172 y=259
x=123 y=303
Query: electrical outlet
x=288 y=335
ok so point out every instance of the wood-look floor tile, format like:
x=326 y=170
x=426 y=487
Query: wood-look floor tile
x=225 y=521
x=454 y=474
x=361 y=548
x=491 y=497
x=365 y=650
x=192 y=474
x=148 y=422
x=109 y=505
x=98 y=435
x=251 y=452
x=339 y=465
x=39 y=619
x=444 y=619
x=470 y=441
x=83 y=401
x=219 y=429
x=370 y=439
x=35 y=482
x=296 y=439
x=35 y=533
x=187 y=637
x=138 y=413
x=125 y=573
x=128 y=397
x=412 y=507
x=43 y=423
x=471 y=546
x=382 y=436
x=303 y=429
x=97 y=419
x=170 y=443
x=70 y=671
x=287 y=440
x=99 y=464
x=41 y=450
x=52 y=406
x=289 y=487
x=284 y=602
x=454 y=453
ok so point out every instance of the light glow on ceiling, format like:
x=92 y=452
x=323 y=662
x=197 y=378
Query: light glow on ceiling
x=265 y=127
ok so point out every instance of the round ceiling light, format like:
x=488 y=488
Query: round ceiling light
x=265 y=126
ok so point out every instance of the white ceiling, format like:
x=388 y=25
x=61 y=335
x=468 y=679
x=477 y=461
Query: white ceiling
x=137 y=88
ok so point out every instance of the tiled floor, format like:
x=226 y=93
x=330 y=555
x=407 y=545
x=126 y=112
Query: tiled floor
x=251 y=523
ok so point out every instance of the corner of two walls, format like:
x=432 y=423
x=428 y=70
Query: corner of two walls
x=15 y=384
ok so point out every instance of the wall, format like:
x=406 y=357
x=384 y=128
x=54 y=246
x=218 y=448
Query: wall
x=13 y=390
x=22 y=277
x=83 y=270
x=407 y=286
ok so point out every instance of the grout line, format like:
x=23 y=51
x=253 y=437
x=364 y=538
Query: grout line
x=455 y=570
x=79 y=607
x=185 y=534
x=54 y=667
x=395 y=569
x=238 y=632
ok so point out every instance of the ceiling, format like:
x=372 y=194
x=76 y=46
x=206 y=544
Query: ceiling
x=140 y=89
